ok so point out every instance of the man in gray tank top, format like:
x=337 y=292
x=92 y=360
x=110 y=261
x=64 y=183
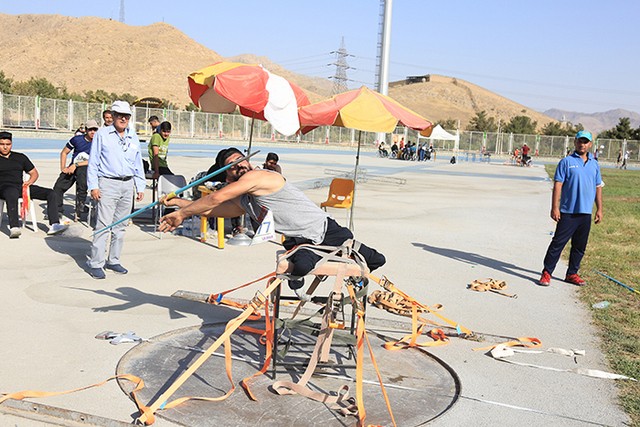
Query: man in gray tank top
x=257 y=192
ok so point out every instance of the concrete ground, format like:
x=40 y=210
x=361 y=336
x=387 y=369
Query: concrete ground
x=447 y=226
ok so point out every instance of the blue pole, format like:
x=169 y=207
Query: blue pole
x=615 y=281
x=181 y=190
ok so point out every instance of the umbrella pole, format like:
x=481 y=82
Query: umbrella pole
x=250 y=136
x=355 y=180
x=241 y=239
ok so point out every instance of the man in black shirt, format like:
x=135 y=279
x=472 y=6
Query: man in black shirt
x=12 y=167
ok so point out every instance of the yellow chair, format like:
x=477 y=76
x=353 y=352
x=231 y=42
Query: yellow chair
x=340 y=195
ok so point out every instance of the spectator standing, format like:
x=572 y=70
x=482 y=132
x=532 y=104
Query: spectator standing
x=577 y=184
x=13 y=165
x=154 y=123
x=625 y=158
x=158 y=150
x=76 y=171
x=113 y=176
x=525 y=155
x=107 y=118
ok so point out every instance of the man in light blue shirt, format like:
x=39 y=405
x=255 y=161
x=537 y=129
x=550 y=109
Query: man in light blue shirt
x=577 y=185
x=114 y=175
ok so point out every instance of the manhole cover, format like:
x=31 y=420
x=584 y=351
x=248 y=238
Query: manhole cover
x=420 y=387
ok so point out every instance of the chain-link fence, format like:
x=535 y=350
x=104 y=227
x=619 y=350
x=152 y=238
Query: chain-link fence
x=28 y=112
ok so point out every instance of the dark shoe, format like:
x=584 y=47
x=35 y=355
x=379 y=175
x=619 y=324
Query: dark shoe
x=117 y=268
x=97 y=273
x=296 y=284
x=574 y=279
x=545 y=279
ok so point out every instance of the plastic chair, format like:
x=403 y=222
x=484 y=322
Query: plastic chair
x=167 y=184
x=340 y=195
x=32 y=213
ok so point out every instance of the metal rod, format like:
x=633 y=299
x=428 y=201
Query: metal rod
x=181 y=190
x=618 y=282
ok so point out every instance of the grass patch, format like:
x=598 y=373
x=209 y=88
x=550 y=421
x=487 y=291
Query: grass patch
x=614 y=249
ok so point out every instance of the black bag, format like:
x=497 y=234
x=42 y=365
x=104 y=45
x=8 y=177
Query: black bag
x=453 y=160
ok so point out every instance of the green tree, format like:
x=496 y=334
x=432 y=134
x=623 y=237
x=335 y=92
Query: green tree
x=126 y=97
x=37 y=86
x=483 y=123
x=5 y=83
x=448 y=124
x=521 y=125
x=622 y=130
x=557 y=129
x=191 y=107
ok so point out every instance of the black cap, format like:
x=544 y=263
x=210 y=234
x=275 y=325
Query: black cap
x=6 y=135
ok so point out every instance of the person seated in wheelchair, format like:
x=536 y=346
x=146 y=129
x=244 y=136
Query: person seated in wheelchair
x=394 y=150
x=257 y=192
x=382 y=151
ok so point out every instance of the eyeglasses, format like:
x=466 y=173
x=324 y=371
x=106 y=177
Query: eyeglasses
x=123 y=116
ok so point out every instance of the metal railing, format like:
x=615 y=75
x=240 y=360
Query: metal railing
x=59 y=115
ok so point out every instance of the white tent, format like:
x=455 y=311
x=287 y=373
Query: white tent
x=441 y=134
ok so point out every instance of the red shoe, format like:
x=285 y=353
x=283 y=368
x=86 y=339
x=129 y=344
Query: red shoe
x=545 y=279
x=574 y=279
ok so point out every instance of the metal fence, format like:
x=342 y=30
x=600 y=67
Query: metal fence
x=29 y=112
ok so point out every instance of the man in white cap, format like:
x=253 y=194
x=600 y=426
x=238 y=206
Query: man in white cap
x=114 y=175
x=76 y=171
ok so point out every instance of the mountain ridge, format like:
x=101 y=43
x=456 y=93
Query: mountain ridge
x=595 y=122
x=91 y=53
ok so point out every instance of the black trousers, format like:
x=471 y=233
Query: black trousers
x=571 y=226
x=304 y=261
x=11 y=193
x=64 y=183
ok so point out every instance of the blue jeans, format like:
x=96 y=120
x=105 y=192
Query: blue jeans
x=571 y=226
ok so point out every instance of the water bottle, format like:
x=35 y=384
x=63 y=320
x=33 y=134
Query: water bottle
x=601 y=304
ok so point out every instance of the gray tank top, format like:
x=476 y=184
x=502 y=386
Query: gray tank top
x=293 y=213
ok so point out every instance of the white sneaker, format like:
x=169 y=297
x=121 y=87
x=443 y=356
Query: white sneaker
x=14 y=232
x=56 y=229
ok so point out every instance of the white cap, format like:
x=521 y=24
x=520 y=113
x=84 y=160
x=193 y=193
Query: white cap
x=121 y=107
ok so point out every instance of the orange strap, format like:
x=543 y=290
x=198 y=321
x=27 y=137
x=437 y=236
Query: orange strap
x=217 y=298
x=147 y=413
x=361 y=337
x=267 y=337
x=386 y=284
x=25 y=394
x=529 y=342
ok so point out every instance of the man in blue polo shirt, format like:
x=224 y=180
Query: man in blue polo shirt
x=577 y=184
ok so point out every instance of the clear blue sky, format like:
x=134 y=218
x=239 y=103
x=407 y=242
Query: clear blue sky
x=568 y=54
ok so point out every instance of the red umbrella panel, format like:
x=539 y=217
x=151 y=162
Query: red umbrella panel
x=257 y=93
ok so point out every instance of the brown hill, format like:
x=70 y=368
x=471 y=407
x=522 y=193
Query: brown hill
x=94 y=53
x=444 y=98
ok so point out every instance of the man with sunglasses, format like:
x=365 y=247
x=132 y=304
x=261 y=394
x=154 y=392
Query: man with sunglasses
x=114 y=176
x=257 y=192
x=577 y=184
